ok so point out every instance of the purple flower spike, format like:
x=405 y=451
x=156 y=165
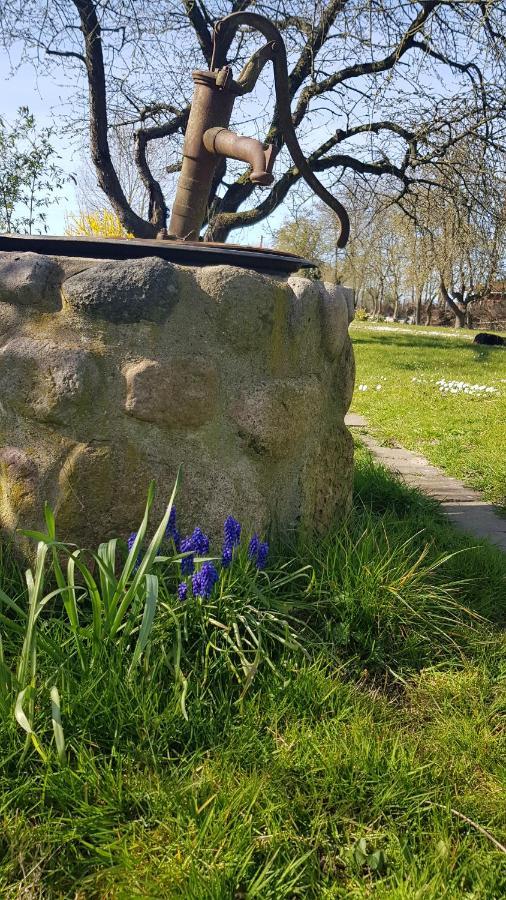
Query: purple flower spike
x=204 y=581
x=208 y=578
x=253 y=547
x=232 y=534
x=226 y=555
x=263 y=552
x=130 y=542
x=182 y=591
x=258 y=552
x=232 y=531
x=187 y=563
x=171 y=530
x=200 y=542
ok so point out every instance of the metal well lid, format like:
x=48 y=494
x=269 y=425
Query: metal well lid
x=184 y=253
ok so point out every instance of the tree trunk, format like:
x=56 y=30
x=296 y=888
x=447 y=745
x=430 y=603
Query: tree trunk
x=381 y=297
x=428 y=311
x=460 y=318
x=418 y=307
x=459 y=313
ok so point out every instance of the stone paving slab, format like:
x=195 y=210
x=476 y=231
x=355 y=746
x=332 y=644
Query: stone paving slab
x=464 y=507
x=478 y=518
x=353 y=420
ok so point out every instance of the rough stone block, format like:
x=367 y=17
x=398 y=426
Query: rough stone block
x=325 y=481
x=274 y=417
x=217 y=484
x=19 y=484
x=305 y=324
x=345 y=293
x=42 y=380
x=248 y=304
x=124 y=291
x=9 y=320
x=102 y=490
x=180 y=393
x=73 y=265
x=29 y=279
x=335 y=317
x=344 y=378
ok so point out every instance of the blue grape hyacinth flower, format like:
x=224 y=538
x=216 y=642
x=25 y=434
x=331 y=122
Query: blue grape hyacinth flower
x=263 y=552
x=204 y=581
x=196 y=585
x=232 y=537
x=253 y=547
x=182 y=591
x=232 y=530
x=258 y=551
x=171 y=530
x=130 y=543
x=187 y=563
x=198 y=543
x=226 y=555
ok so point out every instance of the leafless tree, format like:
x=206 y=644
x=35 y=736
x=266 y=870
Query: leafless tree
x=380 y=89
x=444 y=244
x=460 y=223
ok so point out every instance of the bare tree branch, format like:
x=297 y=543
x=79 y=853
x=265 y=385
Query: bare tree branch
x=99 y=141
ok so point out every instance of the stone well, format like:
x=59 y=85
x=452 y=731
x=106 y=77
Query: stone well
x=113 y=373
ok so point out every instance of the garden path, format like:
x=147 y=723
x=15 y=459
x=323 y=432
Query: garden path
x=464 y=507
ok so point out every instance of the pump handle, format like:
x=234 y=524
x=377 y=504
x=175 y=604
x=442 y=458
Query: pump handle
x=283 y=104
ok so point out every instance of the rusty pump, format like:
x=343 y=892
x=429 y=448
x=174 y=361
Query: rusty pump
x=208 y=138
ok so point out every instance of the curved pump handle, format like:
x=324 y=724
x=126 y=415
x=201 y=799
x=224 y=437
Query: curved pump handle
x=283 y=104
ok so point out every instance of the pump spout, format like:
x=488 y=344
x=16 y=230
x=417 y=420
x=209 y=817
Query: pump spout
x=223 y=142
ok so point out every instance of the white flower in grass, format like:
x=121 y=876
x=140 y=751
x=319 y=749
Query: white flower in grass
x=462 y=387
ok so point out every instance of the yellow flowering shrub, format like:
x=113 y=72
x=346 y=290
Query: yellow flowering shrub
x=96 y=224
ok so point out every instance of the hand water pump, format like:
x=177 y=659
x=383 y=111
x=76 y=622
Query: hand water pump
x=208 y=138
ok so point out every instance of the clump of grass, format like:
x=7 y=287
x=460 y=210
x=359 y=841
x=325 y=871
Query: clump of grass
x=388 y=601
x=359 y=594
x=118 y=610
x=478 y=568
x=249 y=620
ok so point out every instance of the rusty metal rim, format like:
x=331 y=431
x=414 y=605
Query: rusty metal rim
x=185 y=253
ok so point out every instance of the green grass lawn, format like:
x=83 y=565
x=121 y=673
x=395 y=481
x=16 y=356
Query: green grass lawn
x=366 y=758
x=464 y=433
